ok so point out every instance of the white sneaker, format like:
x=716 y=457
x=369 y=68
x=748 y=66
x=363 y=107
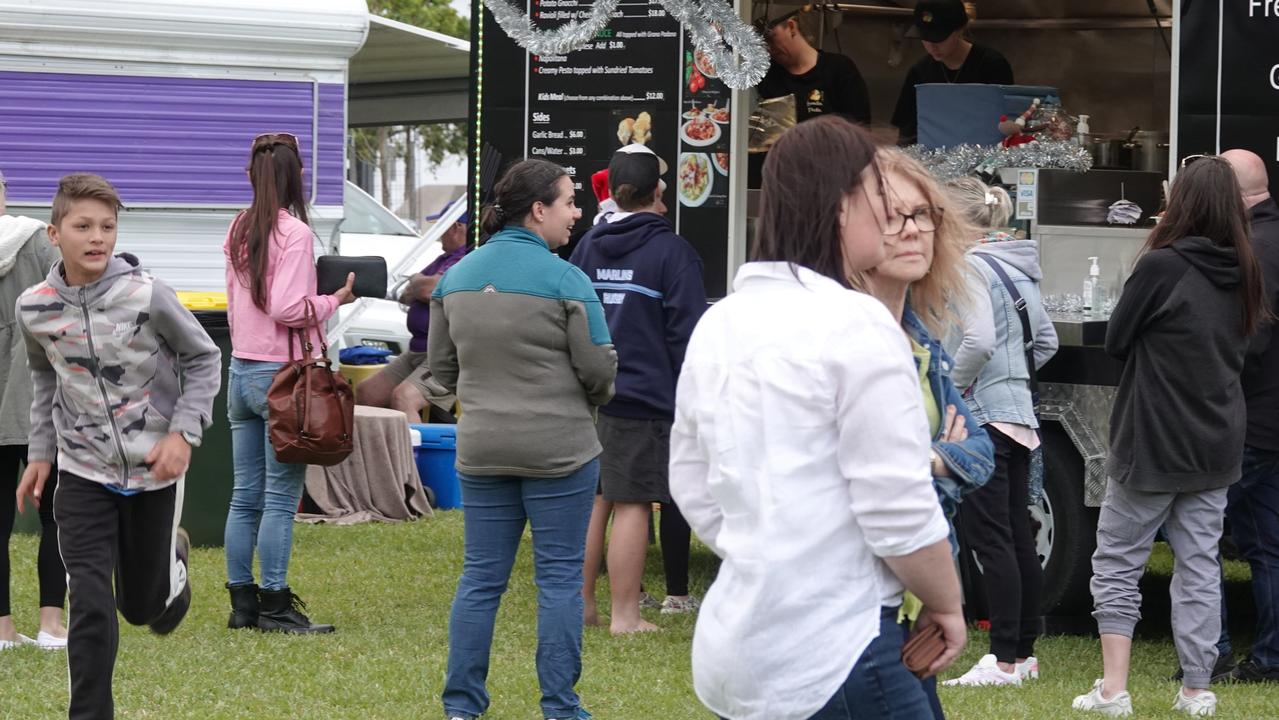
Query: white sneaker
x=11 y=644
x=50 y=642
x=678 y=606
x=986 y=672
x=1201 y=705
x=1028 y=670
x=1117 y=706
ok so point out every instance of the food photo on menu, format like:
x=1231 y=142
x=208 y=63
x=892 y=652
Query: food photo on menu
x=694 y=181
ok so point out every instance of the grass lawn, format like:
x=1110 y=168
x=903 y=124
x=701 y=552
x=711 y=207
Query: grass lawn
x=388 y=589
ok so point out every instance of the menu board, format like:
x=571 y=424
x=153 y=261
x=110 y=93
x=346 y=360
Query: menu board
x=1228 y=92
x=640 y=81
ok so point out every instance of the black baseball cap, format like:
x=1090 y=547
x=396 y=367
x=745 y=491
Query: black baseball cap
x=935 y=20
x=637 y=165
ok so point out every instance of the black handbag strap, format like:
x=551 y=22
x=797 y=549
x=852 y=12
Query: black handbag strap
x=1028 y=338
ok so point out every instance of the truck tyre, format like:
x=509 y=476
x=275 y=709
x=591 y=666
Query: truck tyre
x=1065 y=530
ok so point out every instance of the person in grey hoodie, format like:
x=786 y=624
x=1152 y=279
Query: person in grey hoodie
x=1177 y=427
x=25 y=257
x=994 y=519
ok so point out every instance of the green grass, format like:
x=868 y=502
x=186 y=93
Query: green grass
x=388 y=589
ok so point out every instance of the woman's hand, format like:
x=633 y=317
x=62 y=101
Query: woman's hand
x=953 y=631
x=346 y=293
x=31 y=487
x=954 y=428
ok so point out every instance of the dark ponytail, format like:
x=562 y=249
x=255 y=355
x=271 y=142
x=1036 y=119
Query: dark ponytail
x=1206 y=201
x=275 y=171
x=525 y=183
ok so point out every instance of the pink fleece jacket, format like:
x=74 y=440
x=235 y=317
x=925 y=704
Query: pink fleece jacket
x=290 y=278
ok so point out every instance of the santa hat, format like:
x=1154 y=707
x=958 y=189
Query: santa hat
x=599 y=183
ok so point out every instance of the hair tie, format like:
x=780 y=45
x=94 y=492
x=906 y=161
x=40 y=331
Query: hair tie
x=499 y=211
x=991 y=199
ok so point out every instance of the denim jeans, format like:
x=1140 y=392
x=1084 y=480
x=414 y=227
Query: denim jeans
x=496 y=509
x=1252 y=507
x=266 y=492
x=880 y=687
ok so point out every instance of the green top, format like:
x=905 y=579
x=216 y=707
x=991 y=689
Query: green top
x=922 y=358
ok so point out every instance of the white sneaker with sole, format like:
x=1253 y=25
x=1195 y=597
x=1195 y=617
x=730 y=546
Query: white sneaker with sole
x=986 y=672
x=1118 y=706
x=47 y=641
x=678 y=606
x=1028 y=670
x=1201 y=705
x=11 y=644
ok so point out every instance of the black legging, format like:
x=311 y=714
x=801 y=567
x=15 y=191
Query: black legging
x=676 y=537
x=53 y=577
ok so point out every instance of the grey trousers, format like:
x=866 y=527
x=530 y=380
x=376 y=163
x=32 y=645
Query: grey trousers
x=1125 y=535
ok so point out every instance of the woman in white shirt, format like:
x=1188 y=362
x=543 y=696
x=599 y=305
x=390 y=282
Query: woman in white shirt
x=800 y=455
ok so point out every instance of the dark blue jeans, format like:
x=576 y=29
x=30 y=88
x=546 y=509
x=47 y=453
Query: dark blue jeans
x=880 y=687
x=496 y=510
x=1252 y=507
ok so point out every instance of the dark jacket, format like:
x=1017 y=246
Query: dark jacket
x=1261 y=367
x=649 y=281
x=518 y=334
x=1178 y=420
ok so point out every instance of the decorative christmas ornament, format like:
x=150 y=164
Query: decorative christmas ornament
x=734 y=48
x=961 y=160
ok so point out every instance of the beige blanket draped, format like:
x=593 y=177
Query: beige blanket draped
x=378 y=482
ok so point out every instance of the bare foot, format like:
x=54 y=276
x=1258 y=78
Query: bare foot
x=7 y=631
x=591 y=616
x=51 y=622
x=621 y=628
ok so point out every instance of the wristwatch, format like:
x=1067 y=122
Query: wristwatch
x=192 y=439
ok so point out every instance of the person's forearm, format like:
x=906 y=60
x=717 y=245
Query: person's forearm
x=929 y=573
x=422 y=287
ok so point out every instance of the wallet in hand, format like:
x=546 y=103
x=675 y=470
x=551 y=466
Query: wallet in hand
x=370 y=275
x=922 y=649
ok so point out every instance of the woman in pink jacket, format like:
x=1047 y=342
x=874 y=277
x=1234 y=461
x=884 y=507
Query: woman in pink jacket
x=270 y=277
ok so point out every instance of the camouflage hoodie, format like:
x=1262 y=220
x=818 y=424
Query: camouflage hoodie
x=106 y=358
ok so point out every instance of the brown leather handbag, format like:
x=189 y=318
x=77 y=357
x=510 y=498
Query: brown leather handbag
x=310 y=407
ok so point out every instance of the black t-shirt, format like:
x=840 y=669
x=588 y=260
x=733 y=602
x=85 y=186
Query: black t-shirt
x=834 y=85
x=983 y=66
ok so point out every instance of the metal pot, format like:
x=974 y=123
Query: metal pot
x=1150 y=151
x=1111 y=152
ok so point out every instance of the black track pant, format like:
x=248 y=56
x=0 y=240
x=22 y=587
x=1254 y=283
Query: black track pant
x=49 y=570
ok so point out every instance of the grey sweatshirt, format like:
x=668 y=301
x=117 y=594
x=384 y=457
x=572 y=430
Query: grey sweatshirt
x=106 y=358
x=25 y=258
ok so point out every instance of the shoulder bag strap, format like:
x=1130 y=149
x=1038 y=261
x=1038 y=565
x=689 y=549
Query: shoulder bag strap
x=1028 y=338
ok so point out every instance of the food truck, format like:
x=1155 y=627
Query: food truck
x=1158 y=80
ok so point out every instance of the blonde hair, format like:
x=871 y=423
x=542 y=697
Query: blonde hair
x=934 y=296
x=987 y=207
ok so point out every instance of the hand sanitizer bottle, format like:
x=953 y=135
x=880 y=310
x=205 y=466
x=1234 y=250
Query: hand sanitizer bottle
x=1081 y=131
x=1092 y=289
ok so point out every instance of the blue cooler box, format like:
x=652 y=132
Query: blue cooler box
x=435 y=451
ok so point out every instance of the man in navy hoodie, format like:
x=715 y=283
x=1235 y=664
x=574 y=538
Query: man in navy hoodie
x=650 y=282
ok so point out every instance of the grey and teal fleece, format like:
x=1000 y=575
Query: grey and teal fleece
x=520 y=336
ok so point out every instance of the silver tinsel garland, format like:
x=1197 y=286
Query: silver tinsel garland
x=733 y=47
x=961 y=160
x=564 y=39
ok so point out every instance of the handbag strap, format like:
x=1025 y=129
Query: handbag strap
x=1028 y=338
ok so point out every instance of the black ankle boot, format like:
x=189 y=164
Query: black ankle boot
x=244 y=606
x=281 y=611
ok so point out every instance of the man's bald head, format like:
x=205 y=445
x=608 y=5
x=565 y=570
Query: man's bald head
x=1251 y=171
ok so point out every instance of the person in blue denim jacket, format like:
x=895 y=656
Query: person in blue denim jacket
x=920 y=277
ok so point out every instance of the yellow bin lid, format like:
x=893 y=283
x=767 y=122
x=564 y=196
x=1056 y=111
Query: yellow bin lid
x=193 y=300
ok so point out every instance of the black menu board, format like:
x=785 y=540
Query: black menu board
x=1228 y=80
x=639 y=81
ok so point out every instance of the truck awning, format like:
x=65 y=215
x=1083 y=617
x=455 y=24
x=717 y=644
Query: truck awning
x=405 y=75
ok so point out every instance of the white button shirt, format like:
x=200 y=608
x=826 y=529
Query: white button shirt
x=799 y=454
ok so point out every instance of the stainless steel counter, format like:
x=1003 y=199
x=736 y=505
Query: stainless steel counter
x=1079 y=330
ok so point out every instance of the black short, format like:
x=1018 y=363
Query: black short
x=633 y=466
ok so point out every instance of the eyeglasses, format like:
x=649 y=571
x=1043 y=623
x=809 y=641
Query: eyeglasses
x=1187 y=160
x=926 y=219
x=270 y=140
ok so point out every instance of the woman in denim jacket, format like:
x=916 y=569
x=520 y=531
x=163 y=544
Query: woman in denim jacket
x=996 y=521
x=921 y=273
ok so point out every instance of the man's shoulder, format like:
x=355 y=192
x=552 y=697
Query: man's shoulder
x=836 y=62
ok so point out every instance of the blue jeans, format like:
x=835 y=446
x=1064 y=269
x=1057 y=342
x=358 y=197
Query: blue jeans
x=1252 y=507
x=495 y=511
x=266 y=493
x=880 y=687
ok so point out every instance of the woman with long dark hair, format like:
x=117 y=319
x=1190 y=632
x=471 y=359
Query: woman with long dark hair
x=800 y=455
x=1177 y=428
x=520 y=336
x=270 y=277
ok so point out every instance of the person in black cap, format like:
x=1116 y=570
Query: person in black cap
x=649 y=280
x=952 y=58
x=822 y=82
